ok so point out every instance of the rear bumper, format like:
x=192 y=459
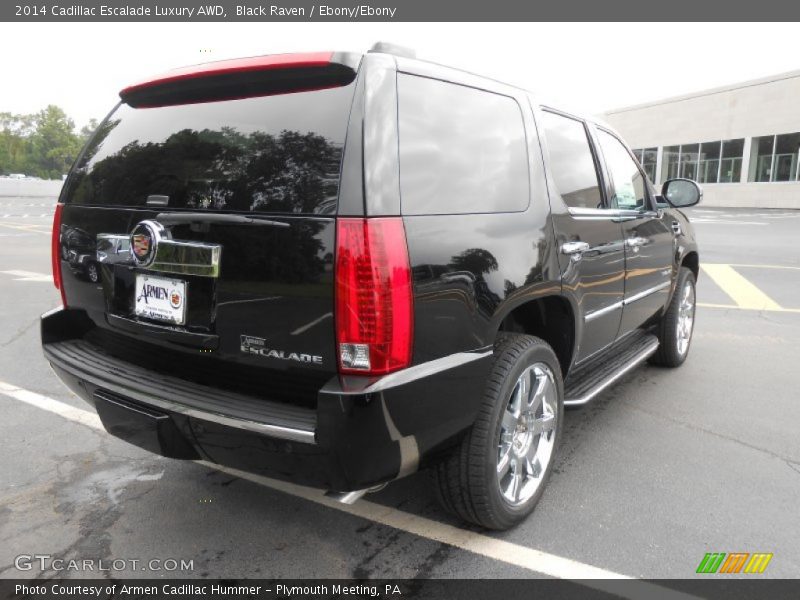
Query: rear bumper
x=363 y=431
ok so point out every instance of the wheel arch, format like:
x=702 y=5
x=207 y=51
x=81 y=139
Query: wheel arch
x=550 y=318
x=691 y=260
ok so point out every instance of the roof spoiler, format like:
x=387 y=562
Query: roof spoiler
x=244 y=78
x=395 y=49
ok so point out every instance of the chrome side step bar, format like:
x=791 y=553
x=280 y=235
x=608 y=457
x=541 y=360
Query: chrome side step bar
x=588 y=381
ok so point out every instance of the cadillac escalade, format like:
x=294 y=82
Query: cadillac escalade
x=338 y=269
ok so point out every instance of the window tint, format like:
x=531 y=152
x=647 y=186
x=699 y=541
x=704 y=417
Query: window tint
x=571 y=161
x=279 y=153
x=462 y=150
x=629 y=185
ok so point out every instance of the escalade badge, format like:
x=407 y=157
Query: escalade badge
x=256 y=345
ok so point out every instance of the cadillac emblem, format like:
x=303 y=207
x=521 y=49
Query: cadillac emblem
x=144 y=242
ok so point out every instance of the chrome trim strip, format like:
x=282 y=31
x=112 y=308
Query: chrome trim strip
x=187 y=258
x=340 y=386
x=647 y=292
x=425 y=370
x=277 y=431
x=600 y=312
x=173 y=256
x=637 y=359
x=112 y=237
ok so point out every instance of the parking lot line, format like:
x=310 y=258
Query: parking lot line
x=62 y=409
x=477 y=543
x=742 y=292
x=29 y=276
x=716 y=222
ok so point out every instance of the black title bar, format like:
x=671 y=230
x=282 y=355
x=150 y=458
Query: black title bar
x=398 y=589
x=402 y=10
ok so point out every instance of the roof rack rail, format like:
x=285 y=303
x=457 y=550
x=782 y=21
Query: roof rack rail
x=389 y=48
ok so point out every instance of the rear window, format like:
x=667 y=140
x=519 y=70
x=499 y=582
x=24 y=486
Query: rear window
x=462 y=150
x=278 y=153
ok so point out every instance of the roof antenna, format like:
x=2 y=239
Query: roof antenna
x=389 y=48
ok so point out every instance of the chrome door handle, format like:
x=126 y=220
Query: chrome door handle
x=635 y=242
x=676 y=227
x=574 y=248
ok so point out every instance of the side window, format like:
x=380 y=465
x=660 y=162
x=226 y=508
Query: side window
x=462 y=150
x=571 y=161
x=629 y=184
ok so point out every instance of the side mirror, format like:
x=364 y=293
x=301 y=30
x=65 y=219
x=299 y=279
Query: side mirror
x=681 y=193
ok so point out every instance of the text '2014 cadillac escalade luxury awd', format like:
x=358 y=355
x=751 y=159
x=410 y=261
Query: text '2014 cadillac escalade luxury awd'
x=337 y=269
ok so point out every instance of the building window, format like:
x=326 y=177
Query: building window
x=785 y=166
x=647 y=157
x=669 y=162
x=648 y=162
x=761 y=158
x=688 y=161
x=775 y=158
x=730 y=170
x=708 y=165
x=720 y=162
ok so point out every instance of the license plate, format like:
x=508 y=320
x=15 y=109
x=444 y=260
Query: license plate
x=160 y=298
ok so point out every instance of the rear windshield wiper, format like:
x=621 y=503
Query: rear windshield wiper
x=177 y=218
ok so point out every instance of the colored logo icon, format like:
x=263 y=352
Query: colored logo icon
x=734 y=562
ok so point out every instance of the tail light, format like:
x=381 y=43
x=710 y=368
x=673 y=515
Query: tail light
x=55 y=252
x=374 y=306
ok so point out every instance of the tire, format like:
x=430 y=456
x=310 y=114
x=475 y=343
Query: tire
x=467 y=481
x=674 y=339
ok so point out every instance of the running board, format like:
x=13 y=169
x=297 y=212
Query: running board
x=598 y=374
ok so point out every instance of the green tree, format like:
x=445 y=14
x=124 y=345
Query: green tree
x=88 y=129
x=15 y=131
x=54 y=144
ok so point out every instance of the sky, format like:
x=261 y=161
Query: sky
x=591 y=66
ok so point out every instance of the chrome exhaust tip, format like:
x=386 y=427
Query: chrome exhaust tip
x=354 y=496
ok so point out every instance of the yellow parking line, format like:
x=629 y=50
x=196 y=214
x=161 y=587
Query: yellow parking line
x=745 y=294
x=734 y=307
x=28 y=228
x=766 y=267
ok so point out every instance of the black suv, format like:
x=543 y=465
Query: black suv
x=338 y=269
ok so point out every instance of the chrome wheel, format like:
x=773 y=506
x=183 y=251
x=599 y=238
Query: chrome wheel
x=92 y=273
x=685 y=317
x=527 y=434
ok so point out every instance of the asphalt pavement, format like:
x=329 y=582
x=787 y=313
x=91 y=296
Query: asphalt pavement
x=664 y=467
